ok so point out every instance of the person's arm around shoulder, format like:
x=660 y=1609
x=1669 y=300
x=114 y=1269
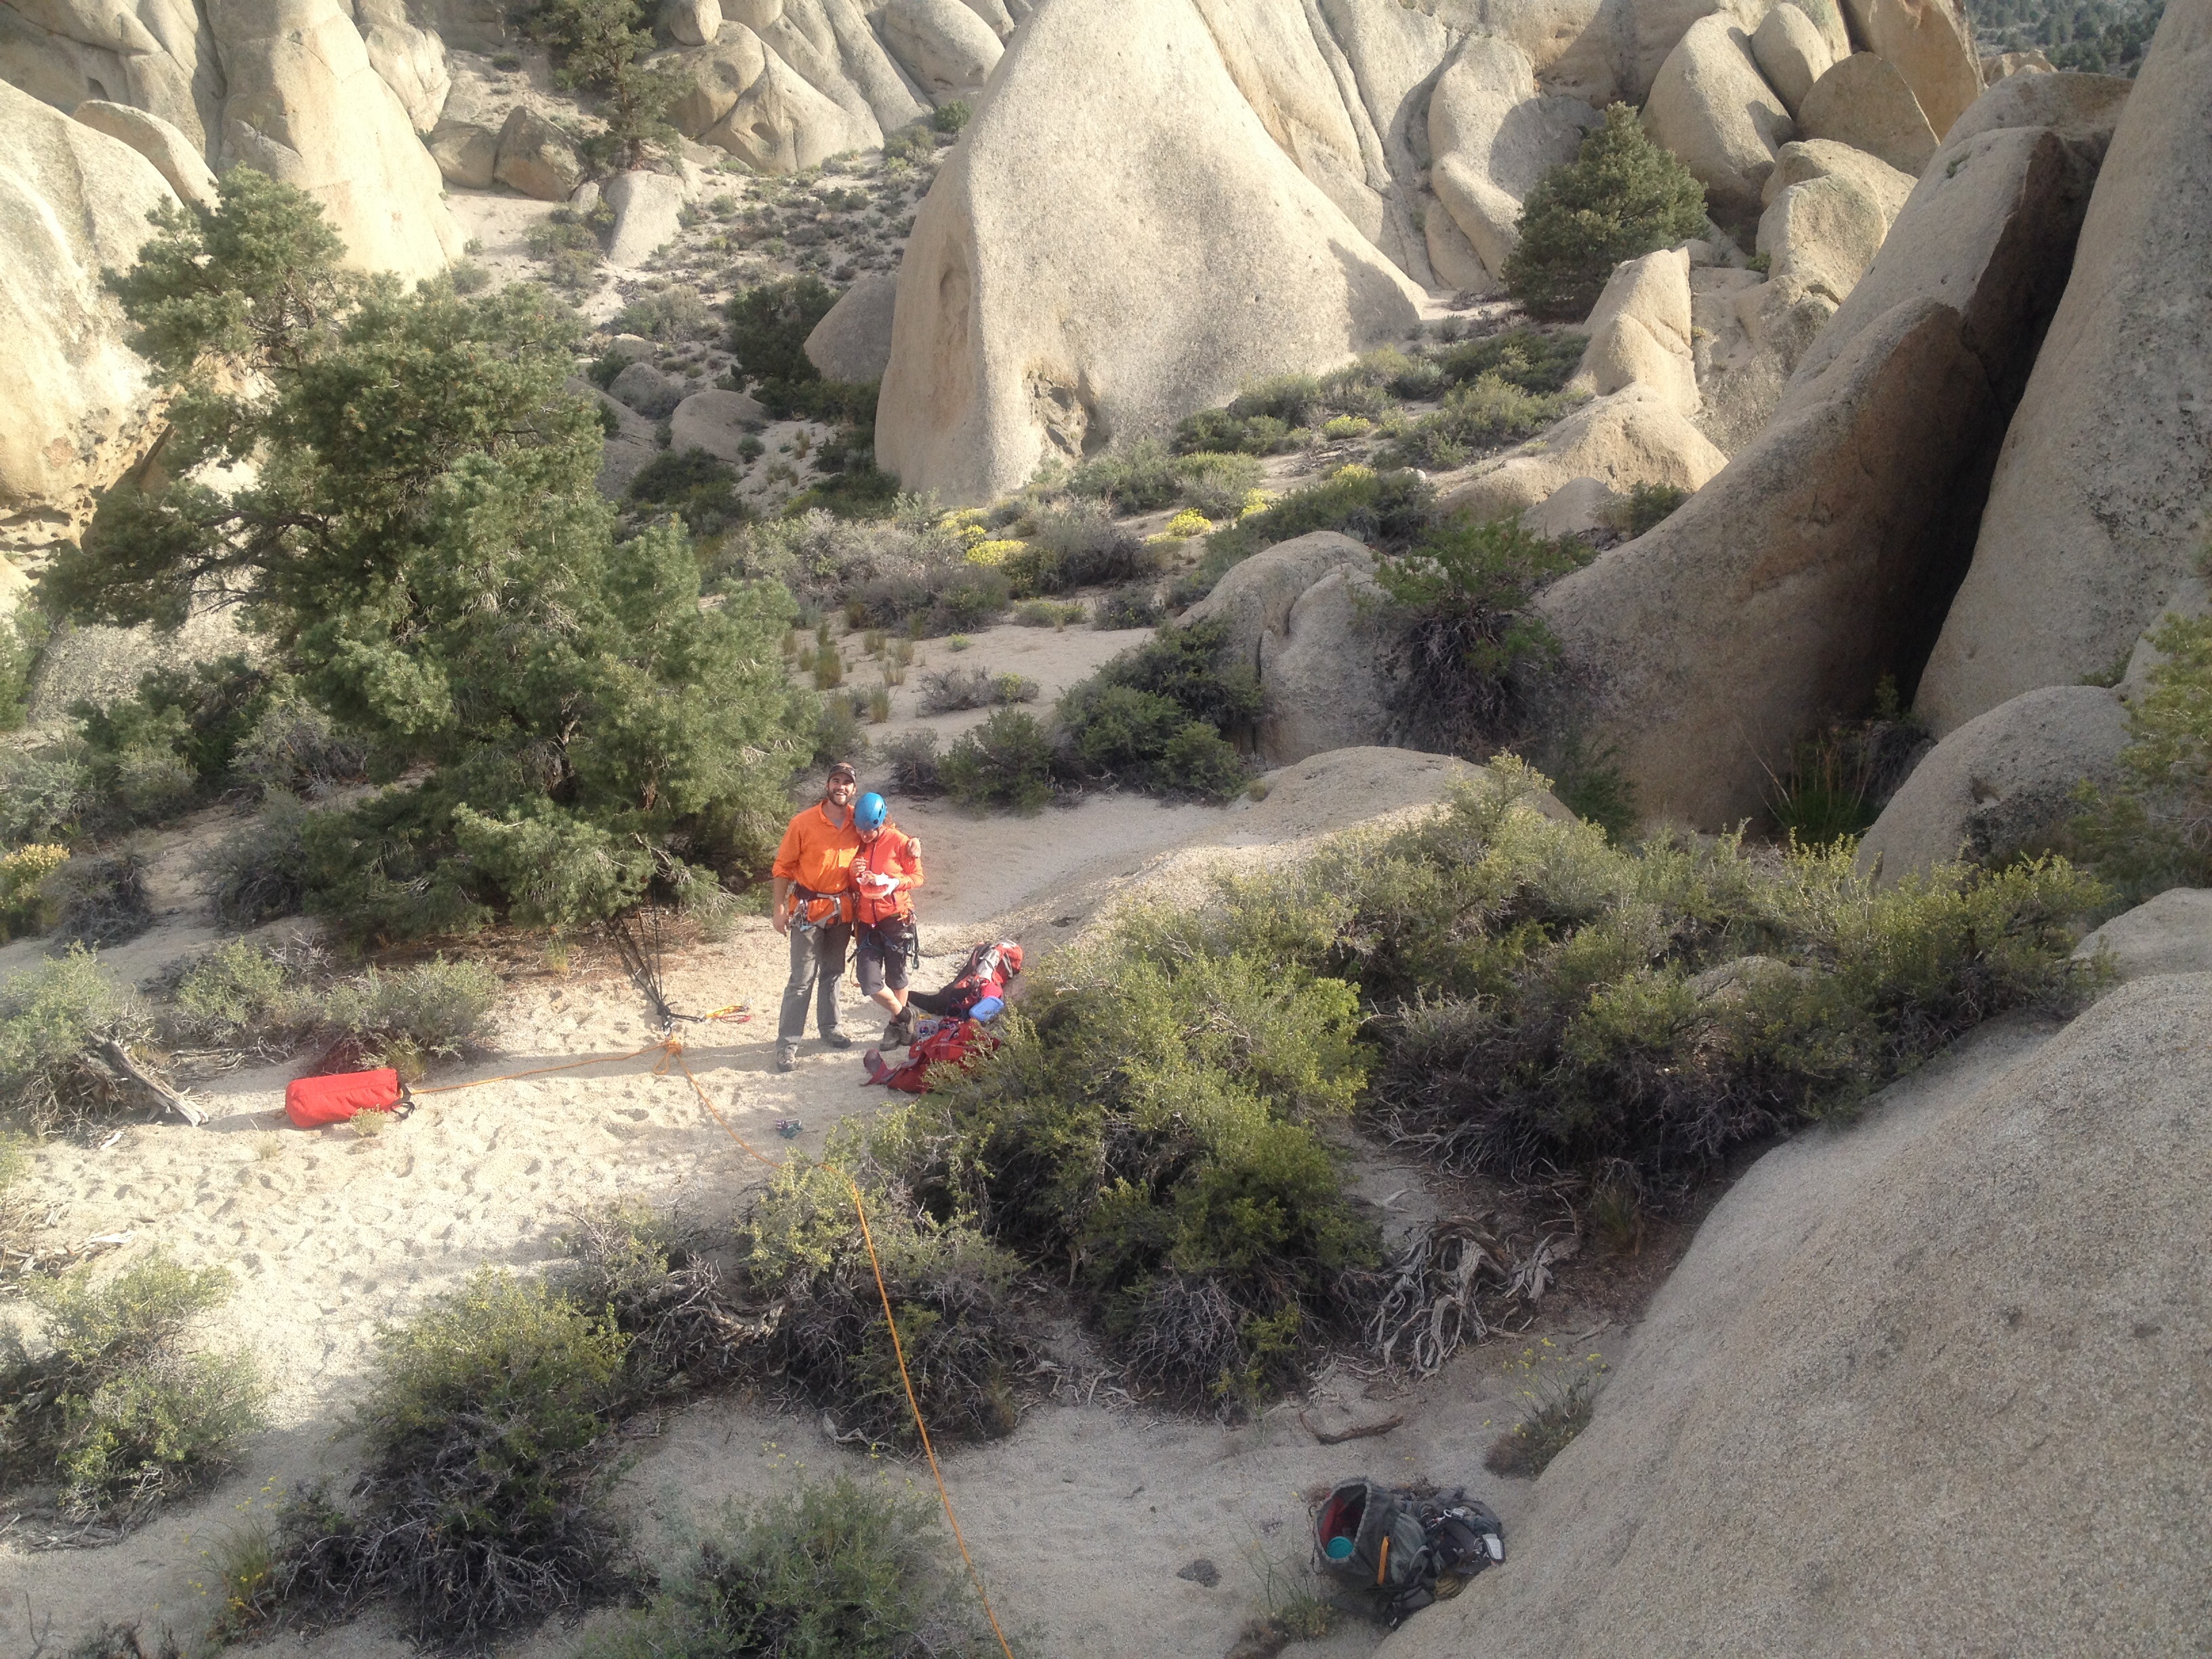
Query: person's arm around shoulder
x=908 y=859
x=784 y=870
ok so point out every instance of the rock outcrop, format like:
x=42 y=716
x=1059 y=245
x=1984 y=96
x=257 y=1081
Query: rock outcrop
x=945 y=45
x=853 y=341
x=1907 y=1364
x=1016 y=341
x=180 y=164
x=1293 y=612
x=2171 y=933
x=1791 y=53
x=411 y=61
x=2099 y=503
x=2002 y=783
x=535 y=157
x=304 y=105
x=1932 y=44
x=1865 y=103
x=74 y=410
x=1711 y=106
x=1636 y=436
x=1493 y=137
x=716 y=422
x=1821 y=558
x=159 y=56
x=1639 y=332
x=466 y=153
x=648 y=212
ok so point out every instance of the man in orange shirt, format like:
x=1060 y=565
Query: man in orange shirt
x=812 y=878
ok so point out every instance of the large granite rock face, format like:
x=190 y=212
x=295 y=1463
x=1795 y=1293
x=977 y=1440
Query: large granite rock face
x=1168 y=249
x=853 y=341
x=2100 y=501
x=172 y=155
x=1639 y=332
x=304 y=105
x=1865 y=103
x=2171 y=933
x=2002 y=783
x=75 y=411
x=1823 y=556
x=1908 y=1364
x=1711 y=106
x=1932 y=44
x=1493 y=137
x=945 y=47
x=155 y=55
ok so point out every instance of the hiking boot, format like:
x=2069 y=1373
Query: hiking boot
x=836 y=1040
x=786 y=1056
x=899 y=1034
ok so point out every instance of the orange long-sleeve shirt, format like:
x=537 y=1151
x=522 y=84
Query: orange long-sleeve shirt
x=817 y=855
x=893 y=853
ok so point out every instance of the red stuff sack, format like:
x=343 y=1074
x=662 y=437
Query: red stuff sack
x=312 y=1102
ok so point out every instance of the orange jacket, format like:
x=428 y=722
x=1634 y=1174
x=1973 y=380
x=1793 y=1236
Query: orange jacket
x=819 y=854
x=893 y=854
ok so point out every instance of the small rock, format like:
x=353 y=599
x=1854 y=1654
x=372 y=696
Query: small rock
x=1201 y=1572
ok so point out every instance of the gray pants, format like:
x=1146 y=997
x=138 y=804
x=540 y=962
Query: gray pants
x=817 y=963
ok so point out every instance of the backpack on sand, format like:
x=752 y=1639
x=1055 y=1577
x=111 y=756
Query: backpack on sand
x=951 y=1044
x=1391 y=1546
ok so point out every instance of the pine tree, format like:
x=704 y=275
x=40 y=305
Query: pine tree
x=1622 y=198
x=398 y=492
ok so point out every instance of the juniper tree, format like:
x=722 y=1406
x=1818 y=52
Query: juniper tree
x=398 y=491
x=1622 y=197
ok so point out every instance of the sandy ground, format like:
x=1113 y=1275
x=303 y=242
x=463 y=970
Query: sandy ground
x=1080 y=1520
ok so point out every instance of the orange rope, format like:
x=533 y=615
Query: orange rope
x=671 y=1052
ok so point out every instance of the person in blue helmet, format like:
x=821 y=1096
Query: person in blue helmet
x=886 y=871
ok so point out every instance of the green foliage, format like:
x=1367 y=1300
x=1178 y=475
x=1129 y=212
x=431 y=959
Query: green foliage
x=1078 y=546
x=427 y=558
x=1623 y=196
x=1557 y=1411
x=25 y=904
x=1154 y=717
x=1151 y=1131
x=1279 y=414
x=54 y=1019
x=1543 y=1004
x=952 y=116
x=241 y=995
x=2097 y=37
x=569 y=250
x=149 y=757
x=261 y=870
x=1482 y=415
x=702 y=490
x=1140 y=479
x=1384 y=509
x=1838 y=780
x=1216 y=484
x=602 y=45
x=1467 y=637
x=46 y=794
x=118 y=1414
x=2153 y=830
x=840 y=1571
x=1537 y=362
x=769 y=324
x=1005 y=762
x=23 y=635
x=1136 y=605
x=1652 y=504
x=100 y=898
x=295 y=749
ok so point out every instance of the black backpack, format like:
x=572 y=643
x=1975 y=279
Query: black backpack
x=1391 y=1546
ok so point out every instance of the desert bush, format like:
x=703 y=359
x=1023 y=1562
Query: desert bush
x=439 y=575
x=486 y=1428
x=45 y=794
x=768 y=327
x=1150 y=1132
x=25 y=906
x=1650 y=505
x=117 y=1415
x=1266 y=417
x=1048 y=613
x=1136 y=605
x=1556 y=1410
x=1005 y=762
x=649 y=1271
x=606 y=45
x=700 y=489
x=1154 y=718
x=1484 y=415
x=1466 y=638
x=261 y=870
x=1140 y=479
x=1078 y=546
x=911 y=762
x=1218 y=484
x=23 y=635
x=948 y=690
x=54 y=1020
x=242 y=996
x=951 y=116
x=672 y=313
x=1623 y=196
x=100 y=898
x=1542 y=993
x=295 y=749
x=833 y=1571
x=410 y=1016
x=1383 y=510
x=2153 y=830
x=1539 y=361
x=1836 y=781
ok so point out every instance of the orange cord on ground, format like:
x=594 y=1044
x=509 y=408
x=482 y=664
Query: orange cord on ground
x=672 y=1053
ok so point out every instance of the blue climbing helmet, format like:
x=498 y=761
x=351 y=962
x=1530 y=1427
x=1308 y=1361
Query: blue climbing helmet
x=870 y=812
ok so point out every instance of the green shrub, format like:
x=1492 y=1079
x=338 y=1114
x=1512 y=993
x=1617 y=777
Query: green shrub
x=1465 y=634
x=295 y=749
x=1384 y=509
x=1485 y=415
x=1650 y=505
x=55 y=1019
x=1154 y=717
x=246 y=996
x=604 y=46
x=25 y=905
x=1005 y=762
x=2153 y=830
x=701 y=490
x=769 y=324
x=23 y=635
x=672 y=313
x=434 y=1010
x=1143 y=477
x=1623 y=196
x=1048 y=613
x=951 y=116
x=1266 y=417
x=1078 y=546
x=1838 y=781
x=837 y=1571
x=1150 y=1132
x=44 y=794
x=261 y=870
x=910 y=763
x=1216 y=484
x=1136 y=605
x=1557 y=1412
x=1538 y=362
x=568 y=249
x=949 y=690
x=100 y=898
x=118 y=1414
x=486 y=1425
